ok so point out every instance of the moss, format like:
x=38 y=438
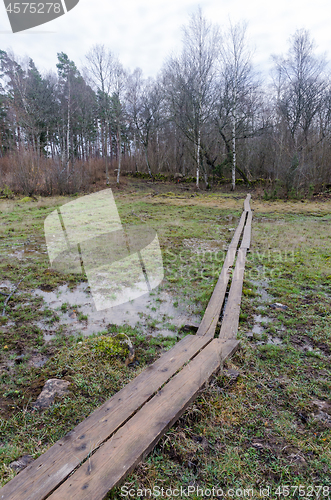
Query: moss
x=109 y=346
x=25 y=199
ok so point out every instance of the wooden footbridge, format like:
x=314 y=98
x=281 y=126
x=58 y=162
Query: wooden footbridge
x=102 y=450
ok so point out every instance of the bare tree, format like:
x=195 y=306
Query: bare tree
x=145 y=100
x=118 y=110
x=237 y=93
x=189 y=81
x=101 y=71
x=300 y=84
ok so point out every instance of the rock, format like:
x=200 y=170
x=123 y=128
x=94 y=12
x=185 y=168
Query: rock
x=203 y=442
x=188 y=328
x=19 y=359
x=258 y=446
x=250 y=335
x=296 y=457
x=322 y=405
x=278 y=306
x=231 y=374
x=323 y=417
x=51 y=388
x=21 y=463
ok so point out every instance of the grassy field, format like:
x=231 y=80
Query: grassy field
x=268 y=428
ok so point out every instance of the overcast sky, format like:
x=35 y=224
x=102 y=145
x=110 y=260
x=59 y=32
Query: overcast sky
x=143 y=32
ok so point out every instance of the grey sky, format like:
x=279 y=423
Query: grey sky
x=144 y=33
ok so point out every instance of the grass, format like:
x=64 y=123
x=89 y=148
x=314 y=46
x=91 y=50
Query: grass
x=263 y=430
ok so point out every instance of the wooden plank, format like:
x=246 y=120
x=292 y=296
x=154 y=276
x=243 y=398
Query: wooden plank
x=230 y=320
x=236 y=237
x=246 y=241
x=209 y=321
x=50 y=469
x=247 y=207
x=113 y=461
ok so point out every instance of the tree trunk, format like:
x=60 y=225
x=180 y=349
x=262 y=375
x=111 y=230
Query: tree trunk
x=118 y=154
x=198 y=159
x=106 y=152
x=147 y=161
x=234 y=151
x=68 y=133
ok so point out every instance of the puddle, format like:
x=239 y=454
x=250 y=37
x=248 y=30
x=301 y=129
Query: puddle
x=200 y=246
x=274 y=340
x=303 y=343
x=154 y=313
x=262 y=319
x=257 y=329
x=37 y=361
x=270 y=341
x=20 y=254
x=6 y=286
x=258 y=323
x=262 y=286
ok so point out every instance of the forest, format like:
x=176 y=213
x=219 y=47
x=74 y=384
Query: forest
x=208 y=117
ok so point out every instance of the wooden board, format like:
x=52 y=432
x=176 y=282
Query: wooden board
x=113 y=461
x=247 y=207
x=209 y=321
x=50 y=469
x=246 y=241
x=230 y=320
x=236 y=237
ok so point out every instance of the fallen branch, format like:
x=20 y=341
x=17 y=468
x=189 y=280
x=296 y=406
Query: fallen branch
x=9 y=296
x=136 y=215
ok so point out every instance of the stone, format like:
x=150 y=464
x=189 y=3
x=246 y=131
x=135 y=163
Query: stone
x=322 y=405
x=278 y=306
x=258 y=446
x=231 y=374
x=188 y=328
x=51 y=388
x=21 y=463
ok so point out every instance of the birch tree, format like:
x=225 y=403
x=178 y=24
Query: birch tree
x=101 y=70
x=189 y=81
x=118 y=111
x=237 y=93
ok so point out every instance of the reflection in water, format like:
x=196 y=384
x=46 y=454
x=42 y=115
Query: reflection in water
x=154 y=313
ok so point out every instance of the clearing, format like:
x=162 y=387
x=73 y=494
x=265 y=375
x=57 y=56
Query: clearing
x=268 y=425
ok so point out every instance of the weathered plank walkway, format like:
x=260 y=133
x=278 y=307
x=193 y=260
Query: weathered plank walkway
x=103 y=449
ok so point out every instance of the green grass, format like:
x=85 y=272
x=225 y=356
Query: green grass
x=263 y=429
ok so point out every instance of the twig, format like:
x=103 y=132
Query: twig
x=9 y=296
x=136 y=215
x=5 y=294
